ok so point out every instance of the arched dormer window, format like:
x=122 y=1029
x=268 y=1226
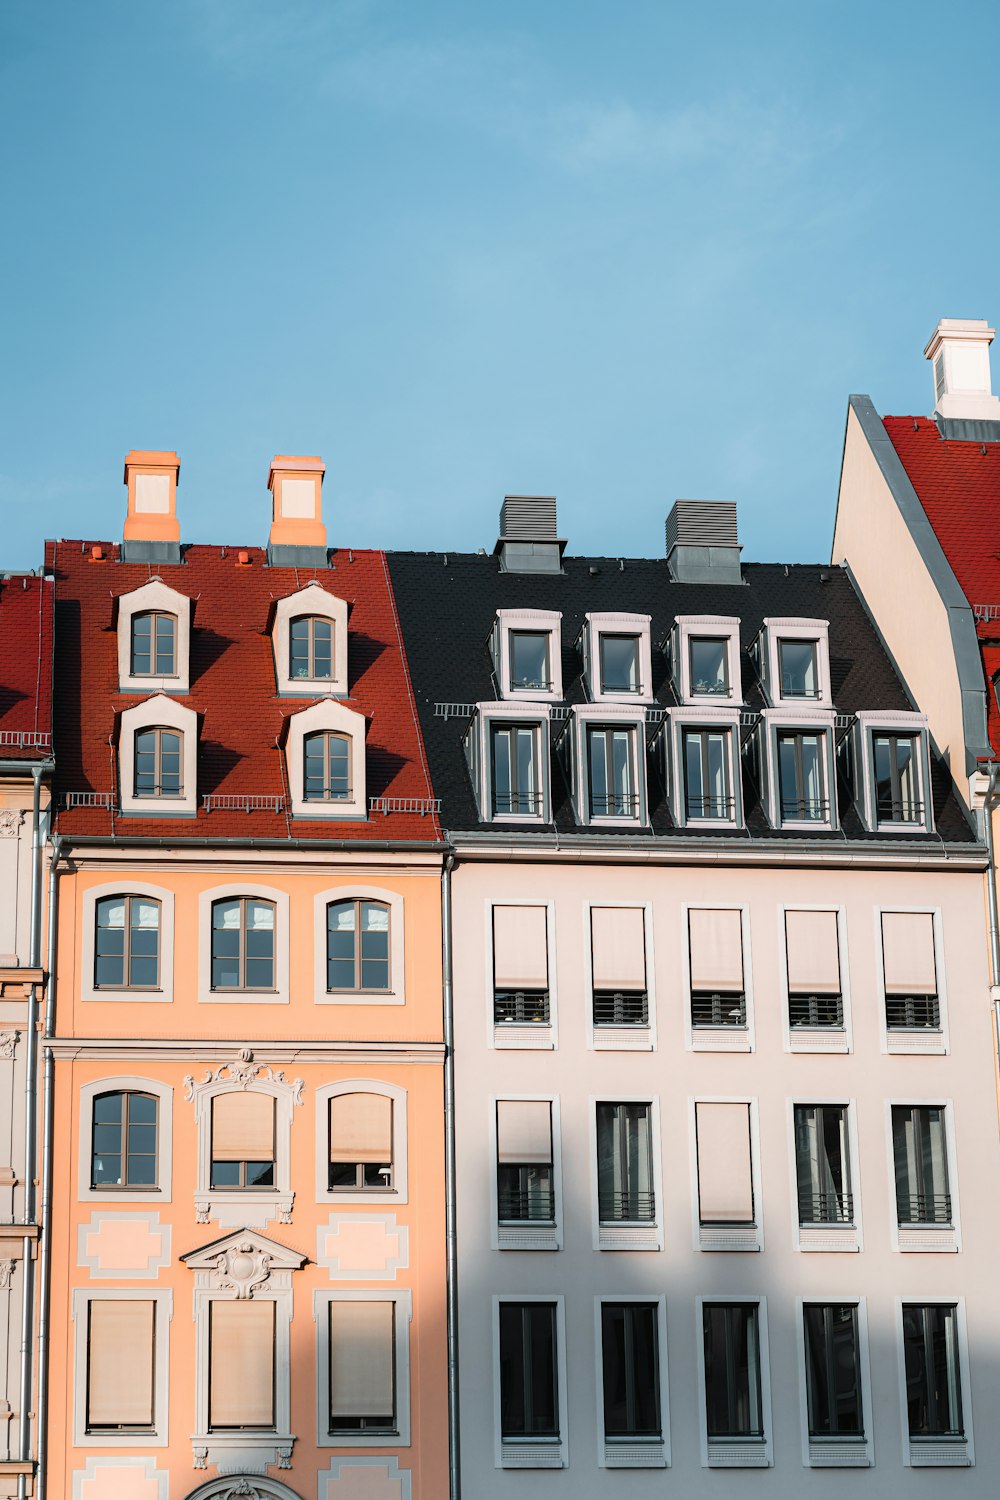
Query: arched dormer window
x=309 y=637
x=154 y=644
x=154 y=639
x=311 y=648
x=327 y=767
x=157 y=759
x=325 y=749
x=159 y=767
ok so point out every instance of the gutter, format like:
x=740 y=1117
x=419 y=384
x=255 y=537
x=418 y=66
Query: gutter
x=450 y=1229
x=45 y=1238
x=136 y=841
x=30 y=1143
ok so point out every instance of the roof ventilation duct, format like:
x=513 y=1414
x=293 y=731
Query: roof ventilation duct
x=528 y=542
x=702 y=544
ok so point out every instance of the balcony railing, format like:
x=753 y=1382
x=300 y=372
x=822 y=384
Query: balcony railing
x=805 y=809
x=907 y=810
x=523 y=1205
x=912 y=1013
x=826 y=1208
x=923 y=1208
x=613 y=804
x=621 y=1008
x=711 y=807
x=521 y=1007
x=816 y=1010
x=718 y=1009
x=627 y=1207
x=520 y=803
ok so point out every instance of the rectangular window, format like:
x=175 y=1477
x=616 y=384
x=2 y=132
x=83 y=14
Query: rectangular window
x=631 y=1368
x=933 y=1372
x=733 y=1404
x=619 y=664
x=360 y=1142
x=833 y=1370
x=520 y=965
x=920 y=1153
x=725 y=1170
x=798 y=667
x=707 y=785
x=529 y=1377
x=241 y=1366
x=801 y=778
x=516 y=779
x=121 y=1357
x=625 y=1163
x=718 y=996
x=363 y=1366
x=812 y=947
x=525 y=1188
x=618 y=949
x=822 y=1164
x=911 y=990
x=611 y=766
x=896 y=779
x=709 y=664
x=529 y=660
x=242 y=1140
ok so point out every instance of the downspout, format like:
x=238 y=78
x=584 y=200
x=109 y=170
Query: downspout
x=991 y=896
x=45 y=1230
x=30 y=1140
x=450 y=1230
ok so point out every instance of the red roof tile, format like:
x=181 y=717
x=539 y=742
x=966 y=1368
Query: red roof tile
x=25 y=667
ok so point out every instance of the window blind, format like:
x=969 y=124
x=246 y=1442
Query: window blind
x=120 y=1353
x=520 y=948
x=813 y=952
x=243 y=1127
x=618 y=945
x=241 y=1364
x=725 y=1178
x=524 y=1131
x=716 y=950
x=360 y=1128
x=908 y=953
x=362 y=1378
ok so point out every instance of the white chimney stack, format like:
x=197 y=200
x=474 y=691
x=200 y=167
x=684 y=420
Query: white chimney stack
x=959 y=351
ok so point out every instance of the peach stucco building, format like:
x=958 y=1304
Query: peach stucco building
x=244 y=1276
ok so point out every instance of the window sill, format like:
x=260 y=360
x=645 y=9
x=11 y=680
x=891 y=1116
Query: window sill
x=360 y=997
x=839 y=1453
x=127 y=997
x=634 y=1453
x=239 y=1208
x=528 y=1235
x=738 y=1453
x=926 y=1041
x=248 y=1451
x=623 y=1039
x=740 y=1237
x=818 y=1039
x=532 y=1036
x=629 y=1236
x=939 y=1453
x=720 y=1039
x=829 y=1237
x=243 y=997
x=532 y=1453
x=940 y=1238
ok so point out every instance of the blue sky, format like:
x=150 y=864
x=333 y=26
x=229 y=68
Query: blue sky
x=618 y=252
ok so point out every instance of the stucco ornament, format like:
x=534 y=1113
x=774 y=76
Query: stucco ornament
x=242 y=1268
x=6 y=1272
x=10 y=822
x=8 y=1041
x=243 y=1074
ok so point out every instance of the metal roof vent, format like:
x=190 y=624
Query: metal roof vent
x=528 y=542
x=702 y=542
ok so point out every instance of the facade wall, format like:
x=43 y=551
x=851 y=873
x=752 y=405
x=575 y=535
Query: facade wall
x=771 y=1077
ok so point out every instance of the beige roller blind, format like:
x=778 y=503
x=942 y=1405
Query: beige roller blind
x=120 y=1354
x=716 y=950
x=813 y=952
x=725 y=1179
x=360 y=1128
x=908 y=953
x=243 y=1127
x=618 y=944
x=524 y=1130
x=241 y=1366
x=520 y=948
x=362 y=1377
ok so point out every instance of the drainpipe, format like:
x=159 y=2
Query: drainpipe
x=45 y=1231
x=991 y=893
x=30 y=1139
x=450 y=1231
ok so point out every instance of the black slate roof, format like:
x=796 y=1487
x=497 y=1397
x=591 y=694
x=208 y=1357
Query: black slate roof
x=447 y=603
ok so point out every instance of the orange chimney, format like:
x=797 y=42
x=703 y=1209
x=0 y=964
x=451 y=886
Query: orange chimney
x=297 y=486
x=152 y=478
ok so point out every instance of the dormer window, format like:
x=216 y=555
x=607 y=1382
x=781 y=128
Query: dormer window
x=604 y=752
x=154 y=645
x=515 y=760
x=507 y=749
x=617 y=664
x=705 y=659
x=799 y=670
x=611 y=768
x=158 y=763
x=709 y=667
x=529 y=660
x=157 y=759
x=702 y=766
x=154 y=639
x=309 y=639
x=311 y=648
x=325 y=749
x=793 y=657
x=896 y=799
x=801 y=779
x=707 y=786
x=894 y=771
x=327 y=762
x=797 y=770
x=526 y=648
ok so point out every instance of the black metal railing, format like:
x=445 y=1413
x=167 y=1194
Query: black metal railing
x=923 y=1208
x=805 y=809
x=626 y=1207
x=524 y=1205
x=907 y=810
x=521 y=1007
x=718 y=1009
x=531 y=684
x=816 y=1010
x=912 y=1013
x=516 y=802
x=621 y=1008
x=613 y=804
x=710 y=807
x=826 y=1208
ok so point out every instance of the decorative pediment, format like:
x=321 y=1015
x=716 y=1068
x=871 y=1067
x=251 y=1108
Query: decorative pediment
x=244 y=1073
x=242 y=1263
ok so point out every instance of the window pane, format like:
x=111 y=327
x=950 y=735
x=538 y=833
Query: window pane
x=241 y=1364
x=732 y=1370
x=624 y=1163
x=166 y=656
x=710 y=667
x=822 y=1164
x=340 y=940
x=142 y=626
x=525 y=770
x=619 y=664
x=800 y=777
x=920 y=1150
x=340 y=765
x=630 y=1367
x=529 y=659
x=502 y=785
x=322 y=648
x=933 y=1379
x=798 y=669
x=833 y=1381
x=528 y=1389
x=299 y=647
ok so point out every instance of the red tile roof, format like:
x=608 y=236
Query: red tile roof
x=958 y=485
x=25 y=667
x=233 y=691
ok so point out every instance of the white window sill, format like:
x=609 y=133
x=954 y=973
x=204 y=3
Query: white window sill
x=740 y=1237
x=236 y=1209
x=720 y=1039
x=634 y=1453
x=629 y=1237
x=622 y=1039
x=738 y=1453
x=360 y=997
x=942 y=1238
x=925 y=1041
x=531 y=1037
x=818 y=1039
x=528 y=1236
x=940 y=1453
x=839 y=1453
x=829 y=1237
x=532 y=1453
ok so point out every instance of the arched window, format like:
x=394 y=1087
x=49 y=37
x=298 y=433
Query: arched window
x=154 y=645
x=158 y=763
x=243 y=944
x=357 y=945
x=242 y=1140
x=360 y=1142
x=327 y=764
x=311 y=647
x=123 y=1153
x=127 y=943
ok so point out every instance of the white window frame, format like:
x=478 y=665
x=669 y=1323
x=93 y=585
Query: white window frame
x=538 y=622
x=907 y=725
x=333 y=717
x=827 y=1237
x=918 y=1042
x=479 y=753
x=711 y=627
x=945 y=1238
x=528 y=1038
x=398 y=1193
x=154 y=713
x=742 y=1238
x=933 y=1453
x=619 y=1038
x=614 y=716
x=125 y=1197
x=527 y=1236
x=818 y=1038
x=532 y=1452
x=164 y=993
x=313 y=600
x=774 y=721
x=163 y=1311
x=633 y=1453
x=736 y=1453
x=710 y=719
x=598 y=625
x=627 y=1235
x=403 y=1300
x=156 y=597
x=718 y=1038
x=254 y=892
x=251 y=1207
x=847 y=1452
x=794 y=628
x=396 y=994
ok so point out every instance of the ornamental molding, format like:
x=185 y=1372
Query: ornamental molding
x=242 y=1269
x=243 y=1074
x=6 y=1272
x=242 y=1264
x=8 y=1042
x=11 y=819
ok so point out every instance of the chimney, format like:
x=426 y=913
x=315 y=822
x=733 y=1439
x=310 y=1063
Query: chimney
x=298 y=536
x=702 y=545
x=959 y=351
x=152 y=532
x=528 y=541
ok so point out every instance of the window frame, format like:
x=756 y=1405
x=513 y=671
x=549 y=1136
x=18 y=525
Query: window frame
x=311 y=621
x=396 y=993
x=611 y=1038
x=250 y=1207
x=253 y=891
x=328 y=716
x=316 y=602
x=718 y=1038
x=870 y=726
x=701 y=627
x=936 y=1452
x=814 y=1038
x=154 y=616
x=242 y=957
x=403 y=1301
x=736 y=1453
x=243 y=1186
x=154 y=597
x=775 y=631
x=328 y=737
x=125 y=1154
x=534 y=622
x=535 y=1035
x=679 y=723
x=527 y=1235
x=596 y=627
x=917 y=1238
x=827 y=1237
x=91 y=895
x=532 y=1452
x=627 y=1234
x=478 y=746
x=159 y=731
x=163 y=1306
x=849 y=1450
x=110 y=1194
x=128 y=897
x=398 y=1193
x=633 y=1452
x=575 y=743
x=158 y=713
x=740 y=1237
x=920 y=1041
x=777 y=723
